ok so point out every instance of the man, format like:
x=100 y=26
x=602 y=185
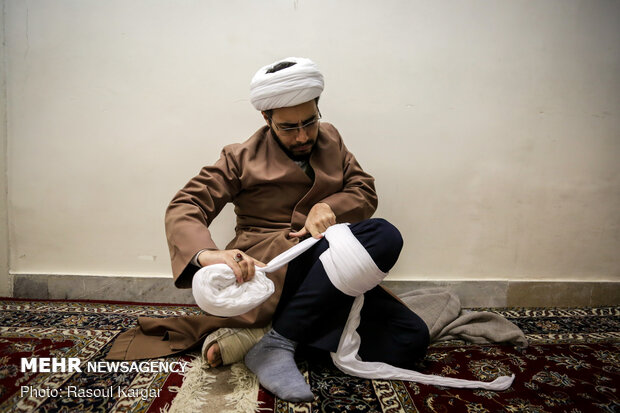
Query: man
x=292 y=179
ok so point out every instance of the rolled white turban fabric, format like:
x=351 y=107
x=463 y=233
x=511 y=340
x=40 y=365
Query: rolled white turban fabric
x=216 y=291
x=352 y=270
x=290 y=86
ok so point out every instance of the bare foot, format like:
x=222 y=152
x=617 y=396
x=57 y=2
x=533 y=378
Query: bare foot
x=214 y=357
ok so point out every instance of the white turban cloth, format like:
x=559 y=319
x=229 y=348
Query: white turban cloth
x=216 y=291
x=352 y=270
x=286 y=87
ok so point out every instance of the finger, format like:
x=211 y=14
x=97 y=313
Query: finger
x=298 y=234
x=316 y=232
x=259 y=263
x=329 y=220
x=316 y=229
x=332 y=220
x=245 y=266
x=239 y=257
x=234 y=266
x=250 y=268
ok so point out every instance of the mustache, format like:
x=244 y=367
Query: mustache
x=311 y=143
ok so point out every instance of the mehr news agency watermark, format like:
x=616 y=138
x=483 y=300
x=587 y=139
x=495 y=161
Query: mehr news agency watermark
x=75 y=365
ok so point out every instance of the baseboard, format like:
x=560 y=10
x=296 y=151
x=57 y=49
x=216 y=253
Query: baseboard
x=86 y=287
x=473 y=293
x=493 y=293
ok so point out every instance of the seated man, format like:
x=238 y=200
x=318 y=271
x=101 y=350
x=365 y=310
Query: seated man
x=293 y=178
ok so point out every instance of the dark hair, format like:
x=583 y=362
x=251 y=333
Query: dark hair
x=279 y=66
x=269 y=112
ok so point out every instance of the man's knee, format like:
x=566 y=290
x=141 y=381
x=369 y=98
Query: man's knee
x=389 y=234
x=381 y=239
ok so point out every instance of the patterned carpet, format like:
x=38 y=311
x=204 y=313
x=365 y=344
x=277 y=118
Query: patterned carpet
x=572 y=365
x=83 y=330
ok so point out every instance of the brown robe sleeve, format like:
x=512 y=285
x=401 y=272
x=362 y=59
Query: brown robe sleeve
x=193 y=209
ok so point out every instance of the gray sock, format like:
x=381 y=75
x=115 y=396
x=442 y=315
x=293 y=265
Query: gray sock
x=272 y=359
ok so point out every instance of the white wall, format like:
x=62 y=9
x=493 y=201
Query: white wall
x=492 y=127
x=5 y=287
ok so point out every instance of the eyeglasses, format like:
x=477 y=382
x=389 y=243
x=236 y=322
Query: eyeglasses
x=294 y=130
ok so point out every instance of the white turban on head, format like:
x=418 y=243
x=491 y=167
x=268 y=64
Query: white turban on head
x=293 y=85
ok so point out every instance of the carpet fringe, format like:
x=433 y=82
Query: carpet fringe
x=244 y=398
x=194 y=391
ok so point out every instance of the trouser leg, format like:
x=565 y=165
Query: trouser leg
x=390 y=332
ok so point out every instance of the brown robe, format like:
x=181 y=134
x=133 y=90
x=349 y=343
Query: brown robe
x=272 y=197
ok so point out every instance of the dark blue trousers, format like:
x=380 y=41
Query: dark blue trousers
x=313 y=312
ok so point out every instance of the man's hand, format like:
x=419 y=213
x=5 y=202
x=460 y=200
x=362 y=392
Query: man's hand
x=319 y=219
x=244 y=268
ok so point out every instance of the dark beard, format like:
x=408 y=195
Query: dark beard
x=289 y=153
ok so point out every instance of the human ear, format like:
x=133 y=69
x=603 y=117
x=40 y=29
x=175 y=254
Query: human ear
x=266 y=117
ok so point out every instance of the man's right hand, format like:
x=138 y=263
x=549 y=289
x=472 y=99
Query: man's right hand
x=243 y=269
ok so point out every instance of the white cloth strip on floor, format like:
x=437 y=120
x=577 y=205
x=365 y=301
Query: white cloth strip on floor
x=348 y=361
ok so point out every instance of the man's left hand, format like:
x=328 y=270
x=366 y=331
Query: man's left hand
x=319 y=219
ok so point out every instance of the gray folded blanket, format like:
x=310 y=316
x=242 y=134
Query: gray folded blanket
x=441 y=310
